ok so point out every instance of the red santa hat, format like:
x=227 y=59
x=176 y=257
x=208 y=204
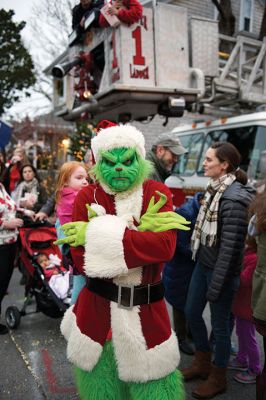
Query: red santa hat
x=111 y=136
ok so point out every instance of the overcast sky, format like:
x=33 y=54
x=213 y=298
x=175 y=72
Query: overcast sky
x=22 y=10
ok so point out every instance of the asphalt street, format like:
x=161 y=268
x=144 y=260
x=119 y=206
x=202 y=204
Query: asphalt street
x=34 y=364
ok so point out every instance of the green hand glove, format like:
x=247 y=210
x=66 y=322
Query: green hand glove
x=154 y=221
x=91 y=212
x=75 y=233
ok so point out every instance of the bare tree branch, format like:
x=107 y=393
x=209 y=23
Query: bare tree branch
x=50 y=26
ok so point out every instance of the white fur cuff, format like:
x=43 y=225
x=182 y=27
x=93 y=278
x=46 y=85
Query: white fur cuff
x=104 y=251
x=82 y=351
x=135 y=362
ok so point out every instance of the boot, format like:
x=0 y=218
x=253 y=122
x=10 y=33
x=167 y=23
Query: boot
x=200 y=367
x=180 y=326
x=215 y=384
x=186 y=347
x=261 y=386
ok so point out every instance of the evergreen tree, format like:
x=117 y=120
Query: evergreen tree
x=16 y=66
x=80 y=141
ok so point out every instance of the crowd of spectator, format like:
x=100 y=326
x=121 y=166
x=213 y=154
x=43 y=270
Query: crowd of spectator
x=215 y=262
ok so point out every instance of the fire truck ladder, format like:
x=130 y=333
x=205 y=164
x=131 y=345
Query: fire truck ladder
x=242 y=74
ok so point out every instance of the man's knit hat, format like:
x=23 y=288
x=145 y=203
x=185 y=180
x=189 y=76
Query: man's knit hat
x=113 y=136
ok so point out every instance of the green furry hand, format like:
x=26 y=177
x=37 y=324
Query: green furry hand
x=91 y=212
x=75 y=233
x=153 y=221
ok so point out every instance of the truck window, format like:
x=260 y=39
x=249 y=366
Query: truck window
x=259 y=147
x=188 y=163
x=245 y=139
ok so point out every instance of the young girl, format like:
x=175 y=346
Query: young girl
x=11 y=175
x=247 y=361
x=72 y=177
x=126 y=11
x=257 y=228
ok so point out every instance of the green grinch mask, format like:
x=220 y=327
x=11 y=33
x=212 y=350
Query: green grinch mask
x=121 y=169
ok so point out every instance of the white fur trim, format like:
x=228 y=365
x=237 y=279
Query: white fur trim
x=130 y=203
x=118 y=136
x=81 y=350
x=129 y=206
x=104 y=251
x=135 y=362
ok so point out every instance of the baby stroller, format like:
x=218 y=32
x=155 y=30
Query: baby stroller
x=33 y=241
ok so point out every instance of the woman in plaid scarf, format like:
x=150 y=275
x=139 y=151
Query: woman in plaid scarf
x=217 y=245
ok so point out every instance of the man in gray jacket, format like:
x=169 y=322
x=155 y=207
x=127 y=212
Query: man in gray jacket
x=164 y=155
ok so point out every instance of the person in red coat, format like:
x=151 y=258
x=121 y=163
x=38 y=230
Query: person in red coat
x=247 y=360
x=127 y=11
x=123 y=235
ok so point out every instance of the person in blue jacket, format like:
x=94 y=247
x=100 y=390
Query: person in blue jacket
x=177 y=273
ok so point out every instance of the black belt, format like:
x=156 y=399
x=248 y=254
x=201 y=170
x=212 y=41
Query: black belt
x=126 y=296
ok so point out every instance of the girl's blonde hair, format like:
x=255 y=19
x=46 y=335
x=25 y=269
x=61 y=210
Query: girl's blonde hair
x=65 y=173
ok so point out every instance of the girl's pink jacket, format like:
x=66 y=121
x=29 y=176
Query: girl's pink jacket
x=65 y=206
x=242 y=301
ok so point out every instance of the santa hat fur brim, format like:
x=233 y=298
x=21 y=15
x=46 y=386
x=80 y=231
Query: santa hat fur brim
x=117 y=137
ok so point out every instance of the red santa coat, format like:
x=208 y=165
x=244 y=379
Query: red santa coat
x=145 y=346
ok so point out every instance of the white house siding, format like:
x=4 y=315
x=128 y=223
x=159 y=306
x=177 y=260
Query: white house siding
x=201 y=8
x=258 y=14
x=154 y=128
x=205 y=8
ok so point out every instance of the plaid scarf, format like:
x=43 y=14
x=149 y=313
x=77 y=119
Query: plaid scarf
x=205 y=230
x=25 y=187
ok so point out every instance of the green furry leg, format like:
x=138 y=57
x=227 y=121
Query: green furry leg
x=102 y=383
x=168 y=388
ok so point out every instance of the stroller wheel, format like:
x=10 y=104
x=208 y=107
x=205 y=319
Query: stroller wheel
x=12 y=317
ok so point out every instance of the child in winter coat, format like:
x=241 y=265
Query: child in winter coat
x=247 y=361
x=127 y=11
x=56 y=275
x=177 y=273
x=257 y=228
x=72 y=177
x=11 y=175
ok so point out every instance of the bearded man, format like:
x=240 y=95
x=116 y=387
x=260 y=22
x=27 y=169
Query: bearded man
x=118 y=332
x=164 y=155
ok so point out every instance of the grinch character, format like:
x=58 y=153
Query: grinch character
x=118 y=332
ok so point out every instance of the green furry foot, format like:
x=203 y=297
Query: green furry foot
x=103 y=383
x=168 y=388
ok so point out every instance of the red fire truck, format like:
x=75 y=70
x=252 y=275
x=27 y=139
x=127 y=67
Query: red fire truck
x=246 y=132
